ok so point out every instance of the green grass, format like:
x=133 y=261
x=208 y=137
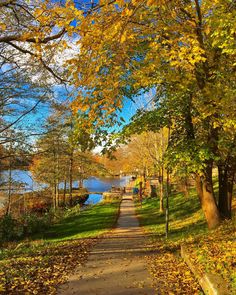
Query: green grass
x=211 y=250
x=89 y=223
x=185 y=216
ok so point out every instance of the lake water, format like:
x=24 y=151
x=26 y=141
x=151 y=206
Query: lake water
x=93 y=184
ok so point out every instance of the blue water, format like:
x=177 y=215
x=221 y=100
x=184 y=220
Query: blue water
x=93 y=184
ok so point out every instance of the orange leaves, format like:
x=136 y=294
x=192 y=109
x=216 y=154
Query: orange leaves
x=78 y=106
x=151 y=2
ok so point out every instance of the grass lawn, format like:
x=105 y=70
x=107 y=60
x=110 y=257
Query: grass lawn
x=213 y=251
x=185 y=216
x=90 y=222
x=40 y=263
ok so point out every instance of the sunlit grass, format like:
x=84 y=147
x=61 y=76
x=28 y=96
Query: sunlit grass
x=212 y=251
x=185 y=216
x=91 y=222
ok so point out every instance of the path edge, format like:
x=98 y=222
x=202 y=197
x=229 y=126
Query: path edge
x=211 y=284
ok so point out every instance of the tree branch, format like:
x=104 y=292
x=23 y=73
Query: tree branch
x=9 y=38
x=41 y=60
x=20 y=117
x=6 y=3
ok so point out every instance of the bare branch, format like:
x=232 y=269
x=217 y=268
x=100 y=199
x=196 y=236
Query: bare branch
x=6 y=3
x=9 y=38
x=20 y=117
x=41 y=60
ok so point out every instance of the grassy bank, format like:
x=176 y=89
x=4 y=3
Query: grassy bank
x=213 y=251
x=37 y=265
x=185 y=216
x=90 y=222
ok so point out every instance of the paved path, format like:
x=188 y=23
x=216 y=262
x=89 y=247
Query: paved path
x=116 y=265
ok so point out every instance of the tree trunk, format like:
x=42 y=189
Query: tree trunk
x=199 y=187
x=161 y=190
x=209 y=205
x=9 y=191
x=71 y=177
x=81 y=183
x=168 y=190
x=54 y=195
x=167 y=201
x=226 y=180
x=185 y=187
x=141 y=192
x=162 y=174
x=207 y=199
x=57 y=176
x=230 y=193
x=10 y=180
x=57 y=194
x=64 y=192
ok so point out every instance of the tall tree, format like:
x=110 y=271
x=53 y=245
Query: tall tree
x=176 y=47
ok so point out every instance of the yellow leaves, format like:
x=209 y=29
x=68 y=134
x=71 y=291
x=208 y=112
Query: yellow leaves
x=3 y=26
x=215 y=252
x=117 y=27
x=41 y=271
x=170 y=274
x=123 y=37
x=2 y=288
x=207 y=29
x=166 y=40
x=185 y=52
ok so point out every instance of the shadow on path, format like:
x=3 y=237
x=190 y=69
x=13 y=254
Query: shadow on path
x=117 y=264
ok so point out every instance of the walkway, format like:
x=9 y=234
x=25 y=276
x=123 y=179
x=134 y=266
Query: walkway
x=116 y=265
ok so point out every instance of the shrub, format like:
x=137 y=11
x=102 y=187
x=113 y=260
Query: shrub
x=32 y=223
x=7 y=228
x=28 y=224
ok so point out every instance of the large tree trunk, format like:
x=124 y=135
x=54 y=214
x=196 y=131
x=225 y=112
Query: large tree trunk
x=209 y=205
x=207 y=199
x=226 y=180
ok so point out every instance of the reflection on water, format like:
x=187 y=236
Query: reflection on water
x=93 y=184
